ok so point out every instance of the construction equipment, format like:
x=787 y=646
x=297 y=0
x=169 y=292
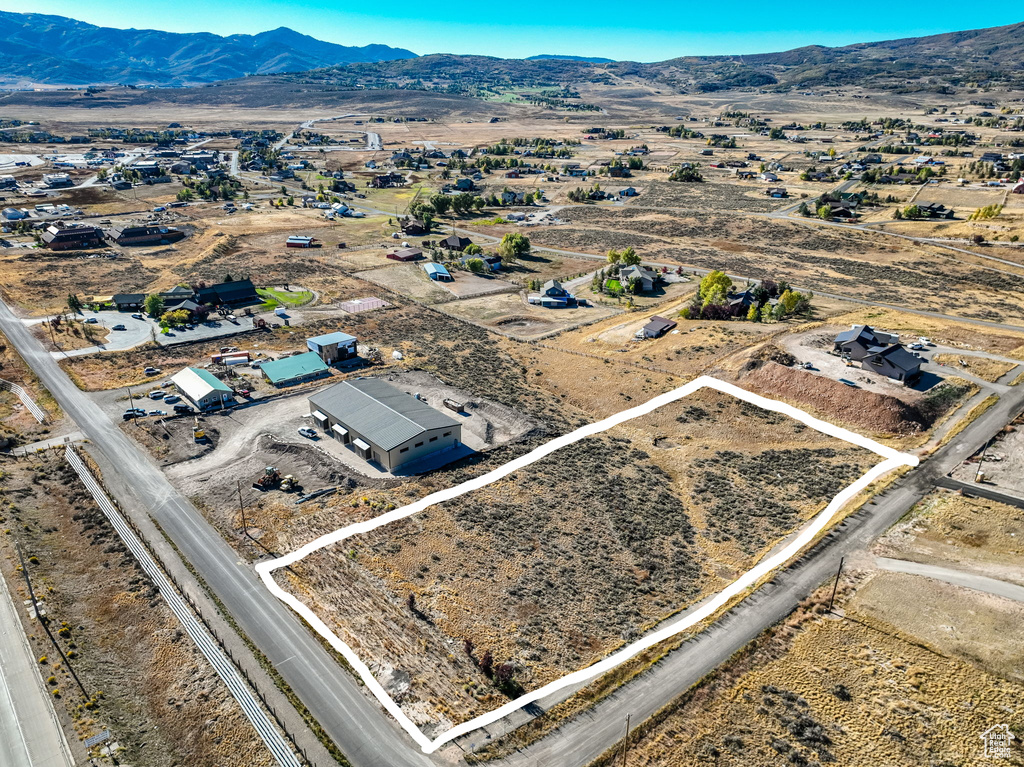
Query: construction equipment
x=373 y=356
x=271 y=478
x=198 y=435
x=288 y=483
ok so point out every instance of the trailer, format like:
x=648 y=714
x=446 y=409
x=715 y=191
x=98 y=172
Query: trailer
x=453 y=405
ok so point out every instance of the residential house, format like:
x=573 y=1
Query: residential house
x=771 y=178
x=656 y=327
x=146 y=234
x=455 y=242
x=857 y=342
x=628 y=192
x=648 y=277
x=413 y=227
x=388 y=180
x=465 y=185
x=72 y=237
x=619 y=171
x=740 y=303
x=383 y=424
x=333 y=347
x=934 y=210
x=1018 y=188
x=893 y=362
x=511 y=197
x=124 y=302
x=234 y=294
x=554 y=296
x=777 y=192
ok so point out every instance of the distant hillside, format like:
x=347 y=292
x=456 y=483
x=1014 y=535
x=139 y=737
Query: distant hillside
x=52 y=49
x=974 y=58
x=590 y=59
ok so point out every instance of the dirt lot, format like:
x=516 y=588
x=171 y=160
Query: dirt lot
x=989 y=370
x=1003 y=462
x=508 y=313
x=145 y=679
x=408 y=280
x=606 y=548
x=969 y=534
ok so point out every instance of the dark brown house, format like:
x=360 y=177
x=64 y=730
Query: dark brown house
x=72 y=237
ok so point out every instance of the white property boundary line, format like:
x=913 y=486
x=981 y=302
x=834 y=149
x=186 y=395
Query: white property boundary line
x=893 y=459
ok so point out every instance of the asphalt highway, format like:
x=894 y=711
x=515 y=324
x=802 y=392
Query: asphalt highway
x=364 y=732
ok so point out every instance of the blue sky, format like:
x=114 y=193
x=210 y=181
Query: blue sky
x=652 y=31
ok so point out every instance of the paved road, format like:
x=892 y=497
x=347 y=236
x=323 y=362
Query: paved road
x=29 y=733
x=998 y=494
x=955 y=577
x=368 y=737
x=585 y=738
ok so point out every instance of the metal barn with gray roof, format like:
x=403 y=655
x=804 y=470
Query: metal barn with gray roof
x=383 y=424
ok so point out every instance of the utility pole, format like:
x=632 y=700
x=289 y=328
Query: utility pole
x=625 y=743
x=835 y=586
x=241 y=507
x=43 y=621
x=131 y=406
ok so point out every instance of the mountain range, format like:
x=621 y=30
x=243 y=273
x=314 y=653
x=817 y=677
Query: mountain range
x=36 y=48
x=42 y=49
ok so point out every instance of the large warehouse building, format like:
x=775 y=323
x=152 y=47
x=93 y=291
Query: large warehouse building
x=383 y=424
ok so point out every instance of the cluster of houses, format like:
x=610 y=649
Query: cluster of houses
x=230 y=295
x=79 y=237
x=878 y=352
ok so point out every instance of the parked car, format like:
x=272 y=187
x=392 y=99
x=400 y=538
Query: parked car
x=172 y=398
x=916 y=347
x=158 y=412
x=91 y=321
x=157 y=394
x=307 y=432
x=138 y=317
x=244 y=392
x=151 y=371
x=133 y=412
x=183 y=409
x=119 y=327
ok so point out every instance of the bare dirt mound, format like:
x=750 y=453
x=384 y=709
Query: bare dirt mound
x=878 y=413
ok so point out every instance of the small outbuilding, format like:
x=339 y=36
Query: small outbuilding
x=406 y=254
x=332 y=347
x=656 y=327
x=437 y=272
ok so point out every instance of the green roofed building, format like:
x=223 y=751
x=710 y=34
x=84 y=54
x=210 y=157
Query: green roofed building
x=202 y=388
x=293 y=370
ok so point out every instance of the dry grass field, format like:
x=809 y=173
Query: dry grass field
x=620 y=531
x=144 y=677
x=816 y=690
x=909 y=670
